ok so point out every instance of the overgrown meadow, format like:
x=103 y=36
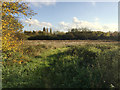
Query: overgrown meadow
x=79 y=58
x=58 y=65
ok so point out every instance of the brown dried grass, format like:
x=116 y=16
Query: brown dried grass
x=61 y=43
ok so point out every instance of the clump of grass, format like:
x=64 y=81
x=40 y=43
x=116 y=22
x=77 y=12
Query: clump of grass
x=35 y=50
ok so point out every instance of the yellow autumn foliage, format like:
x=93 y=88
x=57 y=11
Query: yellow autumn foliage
x=11 y=25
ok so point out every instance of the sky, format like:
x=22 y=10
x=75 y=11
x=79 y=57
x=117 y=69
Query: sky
x=63 y=16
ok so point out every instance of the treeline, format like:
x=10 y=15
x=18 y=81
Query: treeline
x=73 y=34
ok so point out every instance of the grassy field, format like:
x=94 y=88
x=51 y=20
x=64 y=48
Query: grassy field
x=62 y=43
x=64 y=64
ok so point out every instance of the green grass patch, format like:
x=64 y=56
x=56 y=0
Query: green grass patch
x=86 y=66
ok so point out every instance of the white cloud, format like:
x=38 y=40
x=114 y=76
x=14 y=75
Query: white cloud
x=64 y=24
x=35 y=22
x=76 y=23
x=36 y=4
x=95 y=26
x=96 y=19
x=76 y=20
x=43 y=3
x=93 y=3
x=110 y=27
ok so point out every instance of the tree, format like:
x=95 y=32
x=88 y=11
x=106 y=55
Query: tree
x=50 y=30
x=43 y=29
x=47 y=30
x=34 y=31
x=70 y=36
x=11 y=24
